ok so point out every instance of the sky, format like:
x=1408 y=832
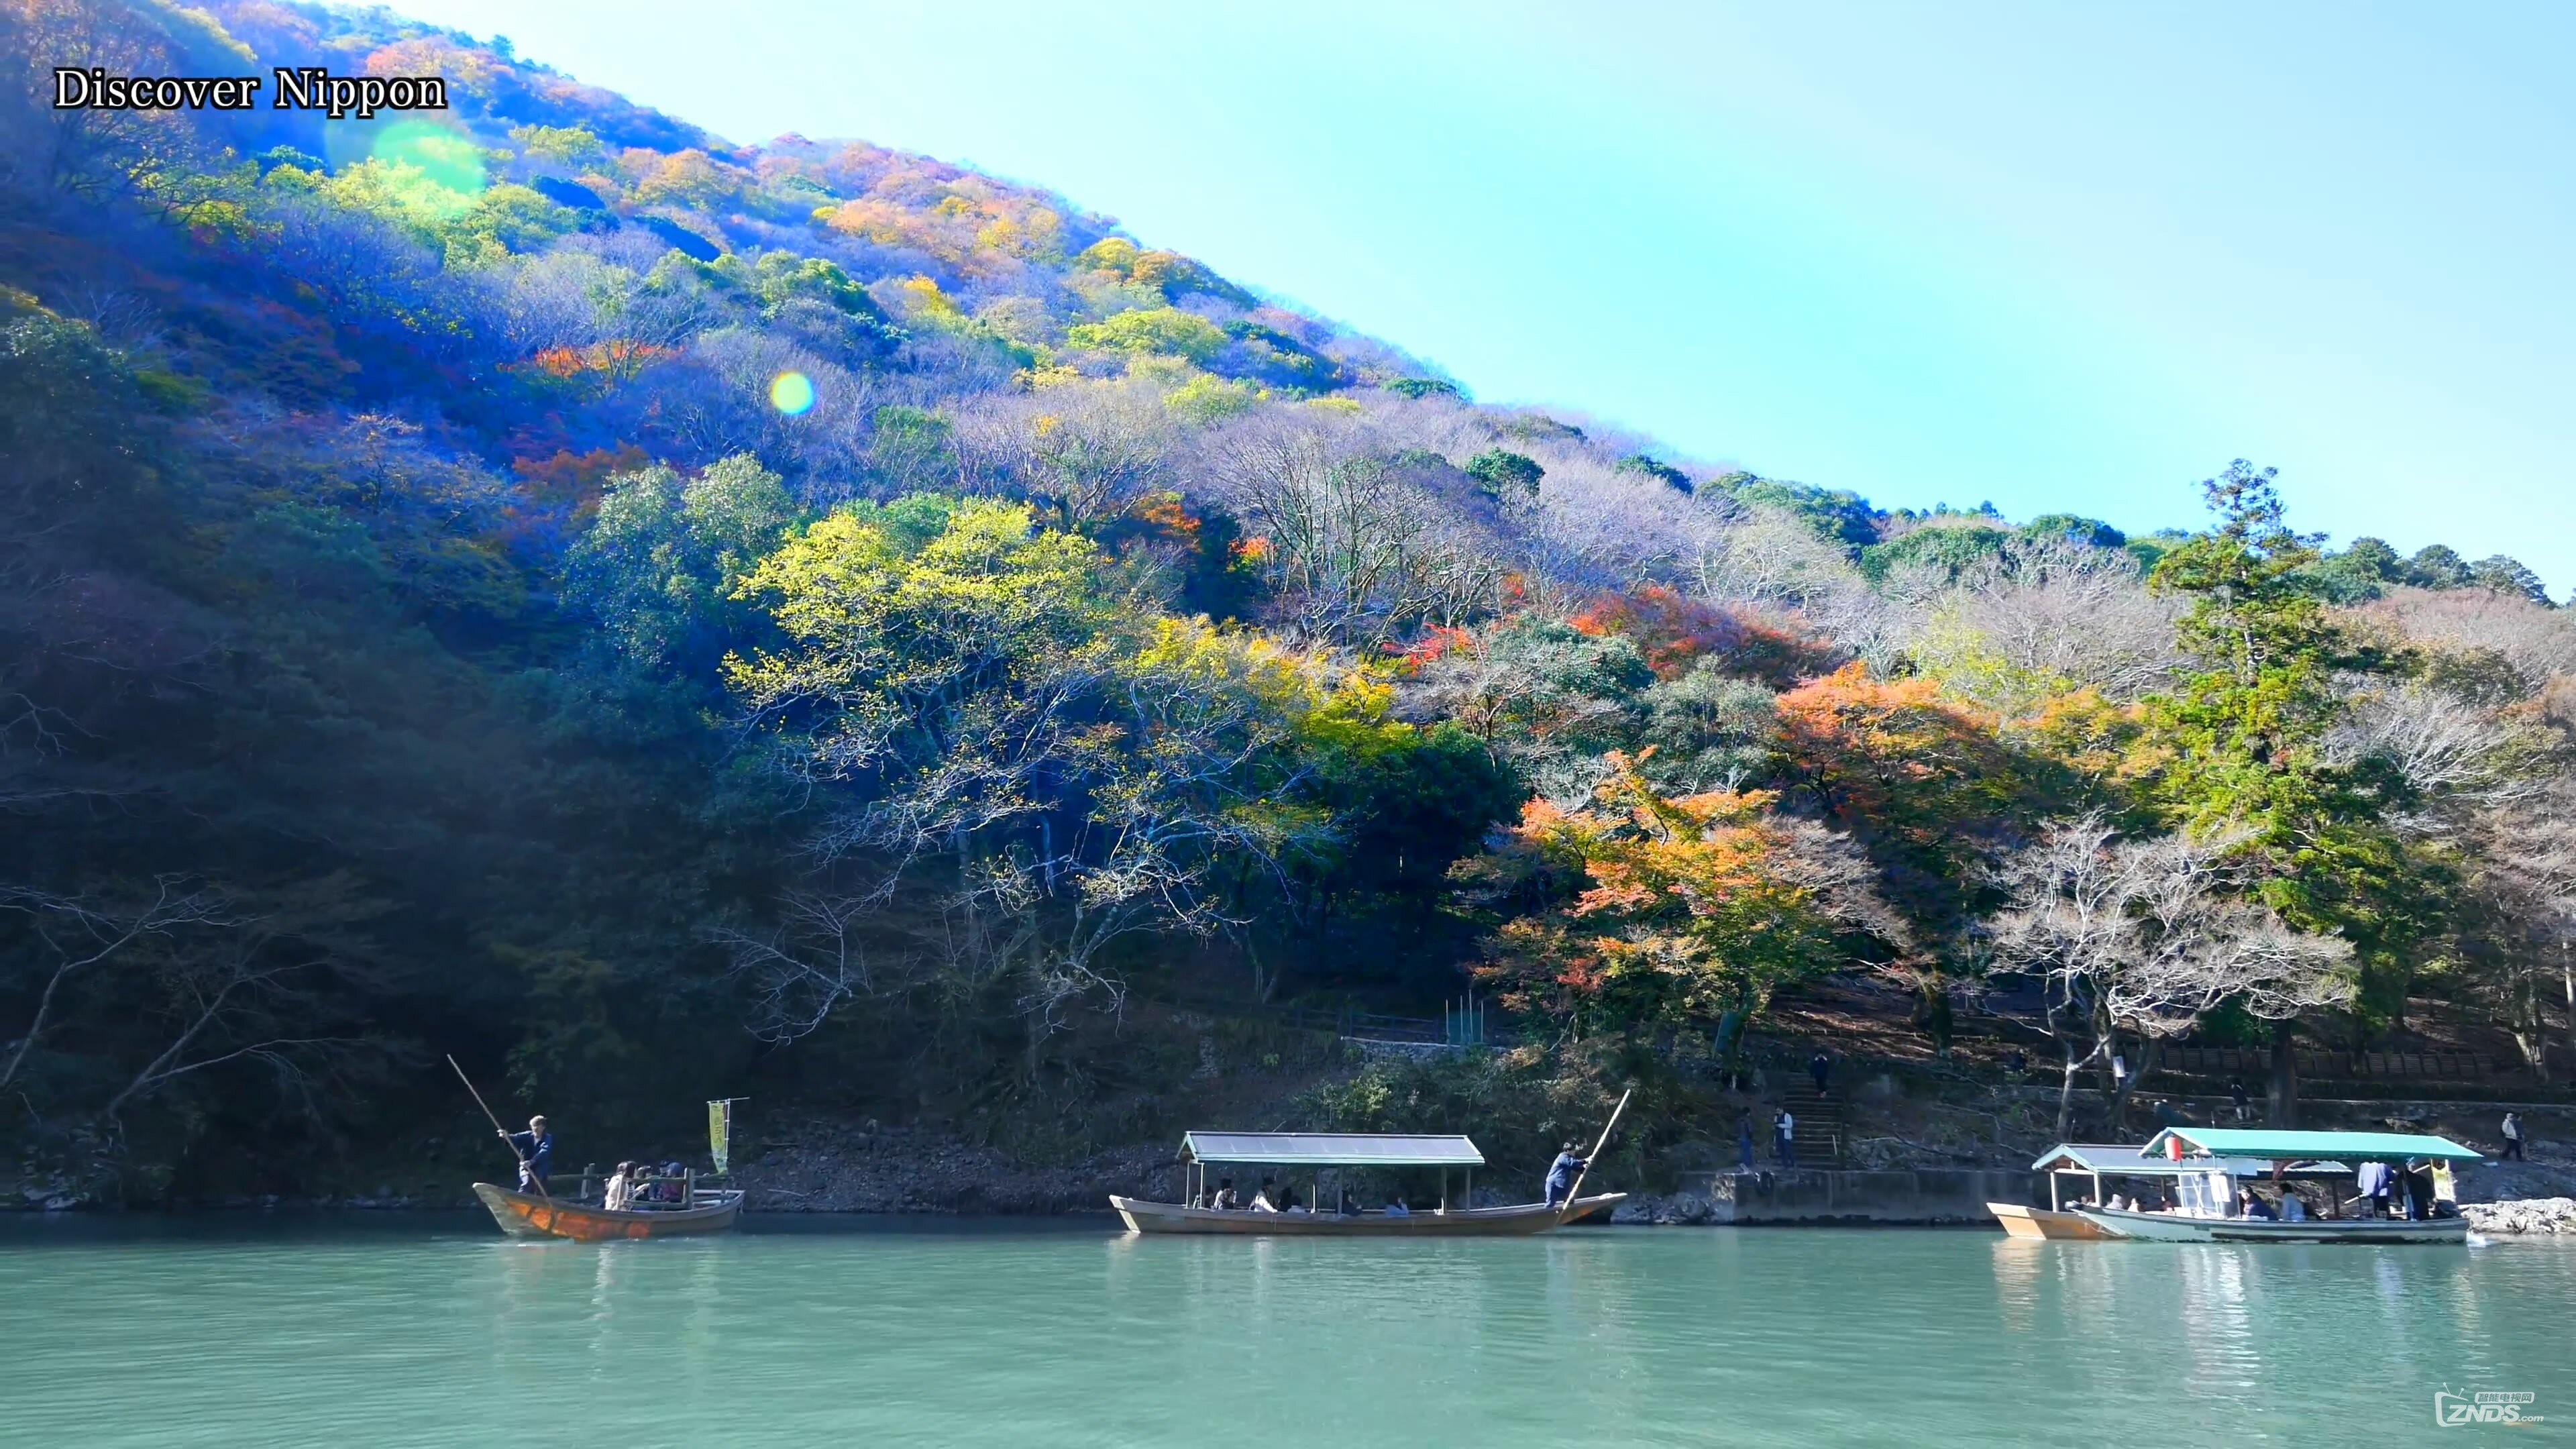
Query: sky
x=2063 y=258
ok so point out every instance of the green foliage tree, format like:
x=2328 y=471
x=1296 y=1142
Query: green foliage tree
x=1506 y=474
x=661 y=564
x=2244 y=738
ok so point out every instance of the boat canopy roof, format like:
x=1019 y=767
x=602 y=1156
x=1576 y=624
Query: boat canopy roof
x=2122 y=1159
x=2274 y=1145
x=1330 y=1149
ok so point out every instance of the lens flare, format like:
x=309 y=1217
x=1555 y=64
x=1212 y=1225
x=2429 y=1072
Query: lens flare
x=791 y=392
x=447 y=160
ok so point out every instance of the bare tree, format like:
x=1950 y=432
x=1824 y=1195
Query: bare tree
x=78 y=934
x=1084 y=451
x=2048 y=615
x=1350 y=546
x=2147 y=936
x=2520 y=934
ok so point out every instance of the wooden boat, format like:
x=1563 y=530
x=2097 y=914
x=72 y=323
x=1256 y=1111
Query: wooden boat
x=2035 y=1222
x=1518 y=1220
x=1339 y=1150
x=525 y=1215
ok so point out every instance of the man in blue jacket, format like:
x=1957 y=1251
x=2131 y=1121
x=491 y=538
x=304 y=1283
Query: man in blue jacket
x=536 y=1150
x=1562 y=1172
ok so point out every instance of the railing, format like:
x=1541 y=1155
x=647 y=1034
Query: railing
x=1462 y=1023
x=2256 y=1063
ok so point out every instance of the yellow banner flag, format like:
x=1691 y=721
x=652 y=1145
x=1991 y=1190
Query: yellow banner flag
x=720 y=1133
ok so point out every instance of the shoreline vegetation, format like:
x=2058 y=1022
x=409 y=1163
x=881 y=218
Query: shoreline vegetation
x=663 y=619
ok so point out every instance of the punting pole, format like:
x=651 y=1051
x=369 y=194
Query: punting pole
x=1575 y=1191
x=497 y=1127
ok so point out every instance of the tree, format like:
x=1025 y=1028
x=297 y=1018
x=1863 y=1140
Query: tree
x=1689 y=908
x=998 y=736
x=1506 y=474
x=2243 y=743
x=660 y=564
x=2148 y=936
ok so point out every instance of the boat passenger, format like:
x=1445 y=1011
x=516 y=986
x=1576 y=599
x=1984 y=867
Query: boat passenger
x=1350 y=1206
x=621 y=1188
x=2294 y=1209
x=1562 y=1172
x=536 y=1150
x=1267 y=1199
x=2255 y=1207
x=1395 y=1208
x=1223 y=1198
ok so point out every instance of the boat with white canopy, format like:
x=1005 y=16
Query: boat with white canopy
x=1318 y=1151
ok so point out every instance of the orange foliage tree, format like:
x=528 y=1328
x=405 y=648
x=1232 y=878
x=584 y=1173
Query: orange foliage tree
x=1668 y=910
x=1674 y=632
x=1928 y=785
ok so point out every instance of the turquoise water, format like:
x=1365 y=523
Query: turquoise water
x=438 y=1331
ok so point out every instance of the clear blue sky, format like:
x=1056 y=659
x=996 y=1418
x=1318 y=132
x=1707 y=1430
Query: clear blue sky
x=2059 y=256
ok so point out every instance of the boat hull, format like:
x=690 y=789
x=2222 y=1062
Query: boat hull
x=2030 y=1222
x=1495 y=1222
x=525 y=1215
x=2176 y=1228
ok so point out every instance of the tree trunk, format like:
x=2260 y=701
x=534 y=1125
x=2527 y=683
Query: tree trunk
x=2066 y=1091
x=2283 y=1098
x=2567 y=977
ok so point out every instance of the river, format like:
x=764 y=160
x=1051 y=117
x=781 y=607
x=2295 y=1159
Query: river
x=418 y=1330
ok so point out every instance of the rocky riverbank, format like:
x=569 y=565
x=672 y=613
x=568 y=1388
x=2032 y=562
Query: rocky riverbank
x=2523 y=1217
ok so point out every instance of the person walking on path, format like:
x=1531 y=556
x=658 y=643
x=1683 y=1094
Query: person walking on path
x=2237 y=1095
x=1820 y=1067
x=536 y=1149
x=2513 y=1138
x=1744 y=1142
x=1562 y=1172
x=1784 y=1133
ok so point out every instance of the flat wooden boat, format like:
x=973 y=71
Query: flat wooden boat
x=2033 y=1222
x=1492 y=1222
x=525 y=1215
x=2188 y=1228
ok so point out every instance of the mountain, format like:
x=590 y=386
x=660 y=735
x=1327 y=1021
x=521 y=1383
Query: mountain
x=649 y=615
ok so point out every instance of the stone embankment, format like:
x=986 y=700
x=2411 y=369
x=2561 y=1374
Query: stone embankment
x=892 y=1170
x=2537 y=1216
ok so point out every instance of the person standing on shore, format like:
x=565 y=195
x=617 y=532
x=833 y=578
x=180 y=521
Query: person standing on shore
x=1744 y=1142
x=1784 y=1133
x=2513 y=1138
x=536 y=1150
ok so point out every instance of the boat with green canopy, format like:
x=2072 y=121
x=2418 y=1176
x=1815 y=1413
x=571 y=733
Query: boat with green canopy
x=2209 y=1170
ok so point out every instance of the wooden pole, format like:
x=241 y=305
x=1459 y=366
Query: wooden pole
x=524 y=1170
x=1576 y=1190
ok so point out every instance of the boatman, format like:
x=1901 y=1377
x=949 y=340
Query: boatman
x=1562 y=1172
x=536 y=1150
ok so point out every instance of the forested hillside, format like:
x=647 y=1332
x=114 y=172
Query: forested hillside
x=653 y=615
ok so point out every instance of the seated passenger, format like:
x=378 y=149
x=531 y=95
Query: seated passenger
x=1395 y=1208
x=1267 y=1199
x=620 y=1188
x=1223 y=1198
x=2256 y=1207
x=2294 y=1209
x=1350 y=1206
